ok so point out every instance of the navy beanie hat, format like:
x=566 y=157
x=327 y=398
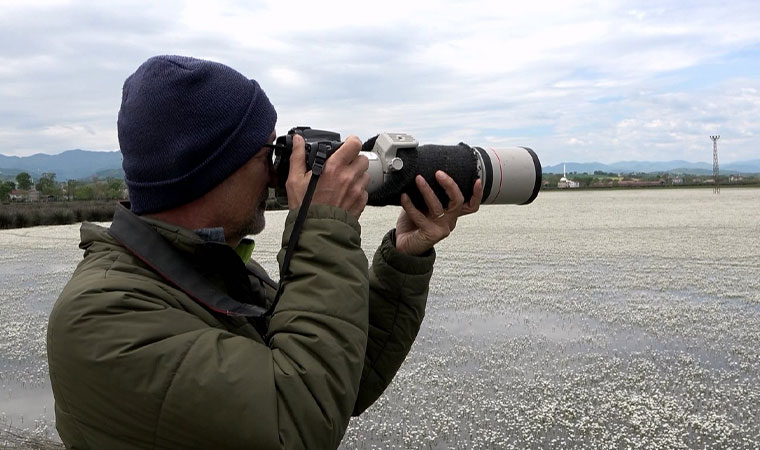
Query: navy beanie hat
x=185 y=125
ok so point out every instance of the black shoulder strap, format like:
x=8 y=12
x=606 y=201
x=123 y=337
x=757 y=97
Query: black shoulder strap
x=261 y=275
x=146 y=244
x=320 y=157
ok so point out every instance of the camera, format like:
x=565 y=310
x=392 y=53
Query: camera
x=509 y=175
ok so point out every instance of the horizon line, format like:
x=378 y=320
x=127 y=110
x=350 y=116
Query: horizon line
x=542 y=165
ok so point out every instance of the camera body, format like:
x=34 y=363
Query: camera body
x=316 y=141
x=383 y=159
x=509 y=176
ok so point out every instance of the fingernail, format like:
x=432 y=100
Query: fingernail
x=440 y=175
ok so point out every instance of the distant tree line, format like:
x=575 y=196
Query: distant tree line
x=112 y=188
x=600 y=179
x=49 y=188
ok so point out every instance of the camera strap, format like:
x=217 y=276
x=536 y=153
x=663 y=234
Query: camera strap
x=323 y=150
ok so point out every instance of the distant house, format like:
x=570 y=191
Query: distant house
x=19 y=195
x=735 y=178
x=565 y=183
x=677 y=180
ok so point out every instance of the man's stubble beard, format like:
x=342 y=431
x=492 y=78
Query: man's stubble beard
x=255 y=222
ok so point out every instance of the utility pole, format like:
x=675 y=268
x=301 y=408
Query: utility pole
x=716 y=187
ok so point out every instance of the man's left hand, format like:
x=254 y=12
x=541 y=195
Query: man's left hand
x=416 y=233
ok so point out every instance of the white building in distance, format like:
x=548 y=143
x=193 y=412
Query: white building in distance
x=564 y=182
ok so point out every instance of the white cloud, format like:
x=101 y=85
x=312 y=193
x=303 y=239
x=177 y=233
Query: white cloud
x=575 y=80
x=287 y=77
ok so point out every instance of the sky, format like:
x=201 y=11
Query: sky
x=575 y=80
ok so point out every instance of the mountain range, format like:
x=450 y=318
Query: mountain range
x=69 y=165
x=83 y=164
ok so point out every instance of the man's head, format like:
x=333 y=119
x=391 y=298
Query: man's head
x=186 y=125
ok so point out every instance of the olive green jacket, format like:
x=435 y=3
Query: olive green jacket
x=135 y=363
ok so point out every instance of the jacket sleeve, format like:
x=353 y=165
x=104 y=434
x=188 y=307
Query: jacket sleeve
x=300 y=388
x=398 y=294
x=318 y=333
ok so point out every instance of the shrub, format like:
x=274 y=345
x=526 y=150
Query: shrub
x=20 y=215
x=6 y=220
x=62 y=217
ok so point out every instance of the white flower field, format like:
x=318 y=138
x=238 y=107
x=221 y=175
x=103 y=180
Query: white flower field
x=588 y=319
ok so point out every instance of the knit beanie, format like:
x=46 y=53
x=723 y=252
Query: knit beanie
x=184 y=126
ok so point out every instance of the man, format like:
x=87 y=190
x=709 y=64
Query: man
x=141 y=353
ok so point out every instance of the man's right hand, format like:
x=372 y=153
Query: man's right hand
x=343 y=182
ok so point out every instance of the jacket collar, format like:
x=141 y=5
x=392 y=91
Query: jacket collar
x=195 y=272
